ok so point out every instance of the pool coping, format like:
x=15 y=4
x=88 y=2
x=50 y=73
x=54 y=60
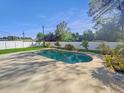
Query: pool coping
x=95 y=57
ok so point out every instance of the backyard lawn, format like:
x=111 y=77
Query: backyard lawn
x=6 y=51
x=92 y=51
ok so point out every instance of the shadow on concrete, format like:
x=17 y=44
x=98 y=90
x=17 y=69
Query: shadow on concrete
x=113 y=80
x=19 y=73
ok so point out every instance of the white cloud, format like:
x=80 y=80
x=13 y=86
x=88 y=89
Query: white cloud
x=77 y=19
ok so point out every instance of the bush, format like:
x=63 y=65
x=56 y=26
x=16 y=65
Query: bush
x=108 y=61
x=69 y=47
x=120 y=47
x=105 y=49
x=115 y=60
x=48 y=45
x=85 y=44
x=57 y=44
x=118 y=62
x=112 y=59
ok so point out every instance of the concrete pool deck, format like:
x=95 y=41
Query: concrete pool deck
x=30 y=73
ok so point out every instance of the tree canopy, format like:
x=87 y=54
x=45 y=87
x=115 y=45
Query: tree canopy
x=62 y=32
x=100 y=7
x=40 y=37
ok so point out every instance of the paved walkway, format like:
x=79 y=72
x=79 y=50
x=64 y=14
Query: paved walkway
x=30 y=73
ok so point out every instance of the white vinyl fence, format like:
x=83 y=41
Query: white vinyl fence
x=15 y=44
x=92 y=45
x=21 y=44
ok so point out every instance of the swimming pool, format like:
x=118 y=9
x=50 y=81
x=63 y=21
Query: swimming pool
x=66 y=57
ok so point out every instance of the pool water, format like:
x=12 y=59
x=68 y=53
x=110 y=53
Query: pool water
x=66 y=57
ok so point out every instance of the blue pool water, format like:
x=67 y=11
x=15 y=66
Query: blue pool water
x=67 y=57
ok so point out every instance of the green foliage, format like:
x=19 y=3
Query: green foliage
x=40 y=37
x=6 y=51
x=108 y=61
x=67 y=36
x=108 y=30
x=115 y=60
x=48 y=45
x=69 y=47
x=92 y=51
x=62 y=32
x=44 y=44
x=76 y=37
x=16 y=38
x=57 y=44
x=88 y=35
x=85 y=44
x=98 y=8
x=120 y=47
x=50 y=36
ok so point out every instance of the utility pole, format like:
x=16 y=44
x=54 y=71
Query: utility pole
x=43 y=37
x=23 y=34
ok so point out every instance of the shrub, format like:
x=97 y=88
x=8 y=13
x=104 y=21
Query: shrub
x=118 y=61
x=85 y=44
x=48 y=45
x=108 y=61
x=120 y=47
x=69 y=47
x=57 y=44
x=105 y=49
x=115 y=60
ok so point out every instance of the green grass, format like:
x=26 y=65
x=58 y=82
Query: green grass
x=6 y=51
x=84 y=50
x=92 y=51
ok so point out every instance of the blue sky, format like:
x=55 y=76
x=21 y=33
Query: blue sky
x=17 y=16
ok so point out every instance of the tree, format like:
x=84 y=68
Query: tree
x=89 y=35
x=76 y=37
x=100 y=7
x=67 y=36
x=121 y=47
x=62 y=32
x=108 y=31
x=85 y=44
x=12 y=38
x=40 y=37
x=50 y=37
x=57 y=44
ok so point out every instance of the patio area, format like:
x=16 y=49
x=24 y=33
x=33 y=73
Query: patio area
x=30 y=73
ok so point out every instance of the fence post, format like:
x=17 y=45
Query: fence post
x=23 y=44
x=15 y=44
x=5 y=45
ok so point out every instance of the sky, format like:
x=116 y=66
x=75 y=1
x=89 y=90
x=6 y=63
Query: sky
x=29 y=16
